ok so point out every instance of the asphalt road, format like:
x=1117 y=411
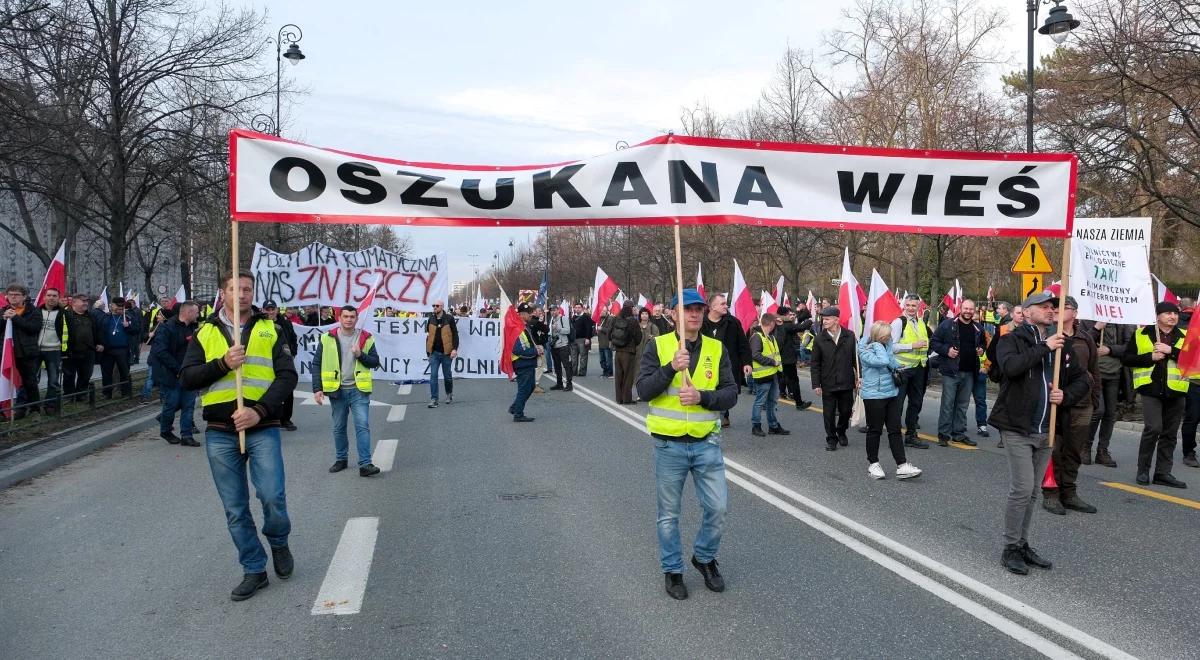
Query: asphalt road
x=489 y=539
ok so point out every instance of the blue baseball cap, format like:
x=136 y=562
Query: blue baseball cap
x=690 y=297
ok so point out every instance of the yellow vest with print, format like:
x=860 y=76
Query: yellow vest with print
x=667 y=415
x=258 y=371
x=331 y=366
x=1143 y=375
x=523 y=338
x=912 y=333
x=770 y=349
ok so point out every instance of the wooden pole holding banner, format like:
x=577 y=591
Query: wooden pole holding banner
x=237 y=325
x=1062 y=302
x=679 y=319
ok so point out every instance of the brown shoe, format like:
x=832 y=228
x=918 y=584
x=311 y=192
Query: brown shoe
x=1105 y=459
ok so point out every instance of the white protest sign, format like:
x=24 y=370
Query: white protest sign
x=1110 y=270
x=400 y=343
x=320 y=275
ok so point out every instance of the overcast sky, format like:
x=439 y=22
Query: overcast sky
x=531 y=82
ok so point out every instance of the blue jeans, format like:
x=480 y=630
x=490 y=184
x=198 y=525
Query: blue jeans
x=175 y=398
x=672 y=463
x=525 y=381
x=979 y=392
x=52 y=361
x=766 y=395
x=956 y=394
x=265 y=460
x=549 y=355
x=443 y=361
x=606 y=362
x=146 y=387
x=351 y=400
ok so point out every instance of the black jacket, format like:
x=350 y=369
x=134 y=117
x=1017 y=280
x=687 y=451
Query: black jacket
x=946 y=337
x=583 y=326
x=786 y=334
x=82 y=336
x=539 y=329
x=288 y=333
x=27 y=328
x=167 y=350
x=832 y=366
x=1021 y=357
x=197 y=374
x=729 y=331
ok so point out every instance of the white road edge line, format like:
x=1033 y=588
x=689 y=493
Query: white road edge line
x=346 y=580
x=1041 y=618
x=385 y=454
x=396 y=414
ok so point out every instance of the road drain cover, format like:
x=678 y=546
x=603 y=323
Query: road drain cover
x=518 y=497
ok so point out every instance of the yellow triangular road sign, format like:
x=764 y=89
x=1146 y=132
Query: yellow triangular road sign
x=1032 y=259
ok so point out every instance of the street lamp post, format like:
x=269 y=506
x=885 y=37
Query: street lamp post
x=1058 y=24
x=292 y=34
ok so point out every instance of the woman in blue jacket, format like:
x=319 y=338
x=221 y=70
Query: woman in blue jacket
x=879 y=393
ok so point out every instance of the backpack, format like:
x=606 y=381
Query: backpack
x=618 y=336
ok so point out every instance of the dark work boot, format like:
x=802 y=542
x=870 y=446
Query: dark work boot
x=1073 y=503
x=1105 y=459
x=675 y=587
x=756 y=430
x=1013 y=561
x=1051 y=503
x=778 y=430
x=281 y=557
x=251 y=582
x=1032 y=558
x=712 y=577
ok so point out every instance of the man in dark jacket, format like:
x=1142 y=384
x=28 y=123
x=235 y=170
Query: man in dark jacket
x=584 y=328
x=1111 y=339
x=167 y=351
x=525 y=352
x=27 y=326
x=1073 y=421
x=722 y=326
x=117 y=330
x=441 y=345
x=269 y=373
x=833 y=376
x=959 y=343
x=288 y=333
x=787 y=333
x=1026 y=359
x=1153 y=354
x=79 y=352
x=606 y=353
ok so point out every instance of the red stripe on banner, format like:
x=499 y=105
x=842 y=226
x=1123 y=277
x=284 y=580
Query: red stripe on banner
x=891 y=152
x=233 y=194
x=683 y=220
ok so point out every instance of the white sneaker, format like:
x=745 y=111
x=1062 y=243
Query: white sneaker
x=907 y=471
x=876 y=471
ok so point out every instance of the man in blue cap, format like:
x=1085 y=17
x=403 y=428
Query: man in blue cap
x=687 y=387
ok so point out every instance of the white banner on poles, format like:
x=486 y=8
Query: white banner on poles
x=401 y=346
x=669 y=179
x=320 y=275
x=1110 y=270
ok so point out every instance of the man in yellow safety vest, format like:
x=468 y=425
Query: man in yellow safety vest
x=765 y=362
x=910 y=343
x=687 y=388
x=1153 y=354
x=268 y=375
x=341 y=371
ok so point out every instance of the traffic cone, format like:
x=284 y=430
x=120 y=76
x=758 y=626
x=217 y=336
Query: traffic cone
x=1048 y=481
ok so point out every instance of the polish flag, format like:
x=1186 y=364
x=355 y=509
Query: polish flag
x=953 y=299
x=787 y=302
x=605 y=289
x=921 y=306
x=617 y=303
x=882 y=304
x=991 y=294
x=700 y=280
x=850 y=298
x=364 y=308
x=811 y=303
x=180 y=296
x=1189 y=355
x=564 y=308
x=1164 y=294
x=1055 y=288
x=643 y=302
x=513 y=327
x=742 y=305
x=767 y=303
x=10 y=378
x=56 y=275
x=778 y=293
x=104 y=300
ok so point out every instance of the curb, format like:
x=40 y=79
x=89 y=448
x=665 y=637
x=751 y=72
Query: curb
x=59 y=457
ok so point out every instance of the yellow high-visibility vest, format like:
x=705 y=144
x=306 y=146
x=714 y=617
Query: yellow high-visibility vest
x=1143 y=375
x=667 y=415
x=770 y=349
x=913 y=332
x=258 y=371
x=331 y=366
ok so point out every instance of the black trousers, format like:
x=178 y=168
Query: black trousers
x=1104 y=417
x=836 y=408
x=77 y=373
x=912 y=388
x=1191 y=418
x=1069 y=447
x=1161 y=422
x=881 y=412
x=789 y=382
x=562 y=363
x=115 y=360
x=28 y=368
x=289 y=404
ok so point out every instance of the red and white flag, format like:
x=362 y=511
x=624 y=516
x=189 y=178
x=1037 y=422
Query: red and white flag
x=882 y=304
x=787 y=302
x=1055 y=288
x=564 y=308
x=104 y=299
x=513 y=327
x=742 y=304
x=1189 y=355
x=767 y=303
x=643 y=302
x=364 y=308
x=10 y=378
x=617 y=303
x=180 y=296
x=849 y=301
x=606 y=287
x=953 y=300
x=811 y=304
x=1164 y=294
x=56 y=276
x=778 y=295
x=991 y=294
x=700 y=280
